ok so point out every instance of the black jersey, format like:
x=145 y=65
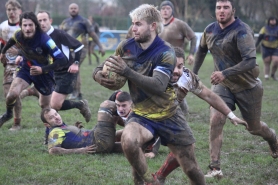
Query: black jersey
x=65 y=43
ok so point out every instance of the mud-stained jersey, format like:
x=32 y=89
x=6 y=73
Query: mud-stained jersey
x=6 y=32
x=230 y=46
x=270 y=36
x=77 y=27
x=159 y=56
x=69 y=137
x=176 y=33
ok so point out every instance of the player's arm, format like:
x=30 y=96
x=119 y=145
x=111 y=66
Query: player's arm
x=217 y=103
x=59 y=59
x=200 y=54
x=91 y=32
x=62 y=151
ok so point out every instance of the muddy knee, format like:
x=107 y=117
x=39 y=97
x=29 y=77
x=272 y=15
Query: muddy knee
x=106 y=111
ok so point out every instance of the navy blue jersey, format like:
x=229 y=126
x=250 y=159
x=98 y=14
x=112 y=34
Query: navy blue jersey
x=159 y=56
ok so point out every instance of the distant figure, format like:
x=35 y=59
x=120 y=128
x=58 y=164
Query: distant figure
x=92 y=44
x=268 y=37
x=7 y=29
x=78 y=26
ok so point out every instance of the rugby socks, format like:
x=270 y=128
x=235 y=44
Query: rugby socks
x=69 y=104
x=17 y=121
x=169 y=165
x=10 y=109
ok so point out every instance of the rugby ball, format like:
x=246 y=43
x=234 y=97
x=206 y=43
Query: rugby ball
x=119 y=80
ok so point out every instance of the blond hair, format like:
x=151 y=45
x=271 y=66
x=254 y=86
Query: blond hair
x=148 y=13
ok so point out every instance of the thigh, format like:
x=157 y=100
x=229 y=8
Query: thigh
x=185 y=155
x=136 y=134
x=57 y=100
x=44 y=101
x=17 y=86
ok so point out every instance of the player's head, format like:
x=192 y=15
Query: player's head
x=145 y=20
x=166 y=9
x=29 y=24
x=73 y=9
x=13 y=10
x=45 y=20
x=224 y=11
x=123 y=103
x=51 y=118
x=179 y=65
x=272 y=21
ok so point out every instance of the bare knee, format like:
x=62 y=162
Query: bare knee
x=217 y=119
x=11 y=97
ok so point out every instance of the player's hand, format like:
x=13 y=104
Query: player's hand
x=3 y=59
x=90 y=149
x=35 y=70
x=150 y=155
x=190 y=59
x=78 y=124
x=18 y=59
x=216 y=77
x=116 y=64
x=237 y=121
x=100 y=78
x=74 y=68
x=102 y=52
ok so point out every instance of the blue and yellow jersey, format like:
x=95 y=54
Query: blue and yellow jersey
x=230 y=46
x=39 y=51
x=69 y=137
x=270 y=36
x=159 y=56
x=77 y=27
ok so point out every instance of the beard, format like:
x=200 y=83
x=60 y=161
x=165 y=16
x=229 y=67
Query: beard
x=228 y=19
x=144 y=37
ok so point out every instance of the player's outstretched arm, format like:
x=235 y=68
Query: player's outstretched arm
x=216 y=102
x=62 y=151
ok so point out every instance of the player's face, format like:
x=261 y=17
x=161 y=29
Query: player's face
x=53 y=118
x=178 y=70
x=141 y=30
x=73 y=10
x=272 y=22
x=166 y=12
x=123 y=108
x=45 y=21
x=224 y=13
x=28 y=28
x=13 y=13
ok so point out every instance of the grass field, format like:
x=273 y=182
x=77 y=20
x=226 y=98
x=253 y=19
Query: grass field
x=24 y=159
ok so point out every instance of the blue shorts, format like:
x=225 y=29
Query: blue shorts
x=44 y=83
x=173 y=130
x=268 y=52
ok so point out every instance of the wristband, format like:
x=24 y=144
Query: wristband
x=76 y=62
x=231 y=115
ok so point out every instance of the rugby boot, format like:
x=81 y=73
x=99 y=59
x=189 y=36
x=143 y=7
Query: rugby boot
x=4 y=118
x=274 y=77
x=85 y=110
x=155 y=181
x=15 y=127
x=273 y=148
